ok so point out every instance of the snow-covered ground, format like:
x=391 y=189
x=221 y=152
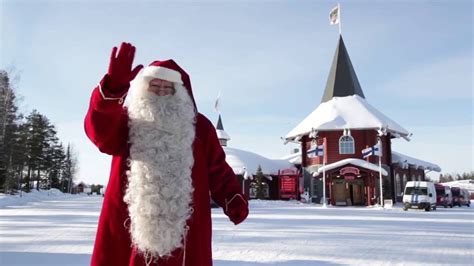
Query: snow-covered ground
x=59 y=230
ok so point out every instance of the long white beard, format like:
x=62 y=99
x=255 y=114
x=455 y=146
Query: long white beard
x=159 y=192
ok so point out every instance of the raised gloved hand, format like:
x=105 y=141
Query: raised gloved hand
x=236 y=209
x=120 y=71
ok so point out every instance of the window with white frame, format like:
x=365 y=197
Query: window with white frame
x=346 y=145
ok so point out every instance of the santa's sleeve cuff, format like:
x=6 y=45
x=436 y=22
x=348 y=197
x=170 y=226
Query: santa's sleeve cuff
x=103 y=100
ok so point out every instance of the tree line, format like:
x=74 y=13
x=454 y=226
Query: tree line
x=31 y=154
x=456 y=176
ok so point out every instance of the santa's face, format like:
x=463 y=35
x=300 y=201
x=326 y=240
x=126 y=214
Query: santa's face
x=161 y=87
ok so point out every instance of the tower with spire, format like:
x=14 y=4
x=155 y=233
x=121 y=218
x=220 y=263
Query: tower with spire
x=342 y=80
x=221 y=134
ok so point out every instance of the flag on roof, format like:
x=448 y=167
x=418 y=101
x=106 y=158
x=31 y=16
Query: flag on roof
x=334 y=15
x=216 y=104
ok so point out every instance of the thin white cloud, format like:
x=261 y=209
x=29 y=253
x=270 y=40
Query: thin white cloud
x=444 y=79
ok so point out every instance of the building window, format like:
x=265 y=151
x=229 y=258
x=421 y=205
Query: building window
x=398 y=185
x=223 y=142
x=346 y=145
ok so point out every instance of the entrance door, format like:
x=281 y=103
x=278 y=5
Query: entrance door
x=357 y=194
x=339 y=192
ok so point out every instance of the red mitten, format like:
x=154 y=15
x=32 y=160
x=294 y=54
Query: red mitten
x=237 y=209
x=120 y=71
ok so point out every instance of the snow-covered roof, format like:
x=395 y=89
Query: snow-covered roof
x=294 y=158
x=221 y=134
x=350 y=112
x=467 y=184
x=353 y=161
x=405 y=161
x=246 y=163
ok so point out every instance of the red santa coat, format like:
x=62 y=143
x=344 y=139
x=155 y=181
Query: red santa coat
x=106 y=124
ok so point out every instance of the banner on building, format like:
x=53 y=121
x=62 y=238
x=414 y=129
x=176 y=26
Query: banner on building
x=374 y=150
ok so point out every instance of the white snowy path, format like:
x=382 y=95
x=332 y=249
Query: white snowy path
x=61 y=232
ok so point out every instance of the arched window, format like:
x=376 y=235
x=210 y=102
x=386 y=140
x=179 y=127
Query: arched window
x=346 y=145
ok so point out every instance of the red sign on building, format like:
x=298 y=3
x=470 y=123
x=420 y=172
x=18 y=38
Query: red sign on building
x=288 y=187
x=289 y=171
x=349 y=170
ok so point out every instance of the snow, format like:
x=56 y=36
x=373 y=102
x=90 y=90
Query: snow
x=243 y=162
x=60 y=230
x=33 y=196
x=350 y=112
x=38 y=229
x=353 y=161
x=467 y=184
x=405 y=161
x=294 y=158
x=221 y=134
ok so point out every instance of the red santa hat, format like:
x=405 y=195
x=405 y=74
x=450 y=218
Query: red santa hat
x=170 y=71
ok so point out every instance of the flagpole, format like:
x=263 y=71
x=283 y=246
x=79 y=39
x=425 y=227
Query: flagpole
x=380 y=172
x=324 y=173
x=340 y=21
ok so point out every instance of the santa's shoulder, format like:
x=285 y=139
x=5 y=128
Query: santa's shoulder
x=204 y=126
x=202 y=120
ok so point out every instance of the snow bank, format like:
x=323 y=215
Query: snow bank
x=34 y=196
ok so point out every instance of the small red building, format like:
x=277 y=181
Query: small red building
x=347 y=124
x=245 y=165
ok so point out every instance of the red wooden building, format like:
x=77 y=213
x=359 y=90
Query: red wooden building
x=349 y=124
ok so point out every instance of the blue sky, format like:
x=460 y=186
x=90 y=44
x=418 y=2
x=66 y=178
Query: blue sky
x=269 y=59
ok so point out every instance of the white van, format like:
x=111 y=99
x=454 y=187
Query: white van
x=420 y=195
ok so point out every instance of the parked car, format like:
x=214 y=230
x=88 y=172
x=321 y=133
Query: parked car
x=420 y=195
x=465 y=198
x=443 y=196
x=456 y=196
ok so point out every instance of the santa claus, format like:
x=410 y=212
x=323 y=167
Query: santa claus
x=167 y=162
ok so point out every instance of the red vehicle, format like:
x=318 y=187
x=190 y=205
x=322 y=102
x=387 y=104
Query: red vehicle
x=465 y=198
x=456 y=196
x=443 y=196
